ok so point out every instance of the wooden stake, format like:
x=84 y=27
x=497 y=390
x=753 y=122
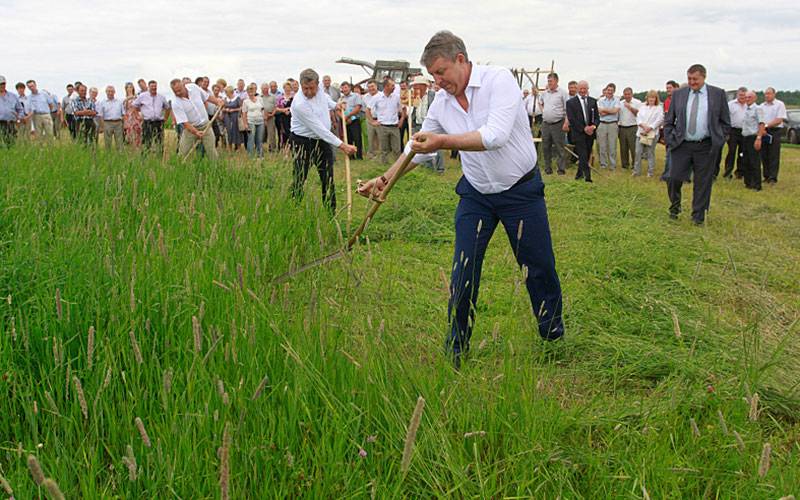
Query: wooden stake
x=347 y=175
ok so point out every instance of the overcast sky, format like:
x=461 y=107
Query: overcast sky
x=630 y=42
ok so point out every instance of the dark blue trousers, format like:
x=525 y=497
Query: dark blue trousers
x=522 y=211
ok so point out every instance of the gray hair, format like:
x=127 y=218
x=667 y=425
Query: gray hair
x=443 y=44
x=742 y=89
x=308 y=75
x=697 y=68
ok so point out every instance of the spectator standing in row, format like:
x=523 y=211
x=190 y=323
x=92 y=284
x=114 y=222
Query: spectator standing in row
x=268 y=100
x=10 y=111
x=628 y=127
x=373 y=140
x=753 y=131
x=40 y=106
x=737 y=108
x=608 y=130
x=670 y=86
x=387 y=114
x=111 y=111
x=695 y=129
x=85 y=111
x=284 y=113
x=253 y=110
x=649 y=120
x=774 y=118
x=132 y=119
x=353 y=104
x=230 y=112
x=583 y=118
x=553 y=103
x=154 y=109
x=66 y=108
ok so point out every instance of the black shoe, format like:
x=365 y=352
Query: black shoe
x=589 y=180
x=548 y=171
x=698 y=222
x=561 y=172
x=673 y=216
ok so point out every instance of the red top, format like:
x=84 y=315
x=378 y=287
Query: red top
x=667 y=102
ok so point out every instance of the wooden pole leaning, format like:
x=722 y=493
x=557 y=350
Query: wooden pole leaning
x=405 y=167
x=347 y=174
x=208 y=126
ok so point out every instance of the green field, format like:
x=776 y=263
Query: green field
x=307 y=389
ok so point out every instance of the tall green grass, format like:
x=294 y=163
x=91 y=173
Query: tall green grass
x=307 y=388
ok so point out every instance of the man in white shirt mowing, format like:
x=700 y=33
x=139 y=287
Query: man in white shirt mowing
x=189 y=110
x=479 y=111
x=311 y=134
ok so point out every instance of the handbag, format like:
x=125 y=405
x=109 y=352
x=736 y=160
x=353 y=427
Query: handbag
x=243 y=127
x=648 y=139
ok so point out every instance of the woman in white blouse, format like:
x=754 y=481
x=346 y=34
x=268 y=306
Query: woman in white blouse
x=253 y=109
x=648 y=121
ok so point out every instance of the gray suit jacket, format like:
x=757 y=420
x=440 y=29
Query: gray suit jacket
x=719 y=118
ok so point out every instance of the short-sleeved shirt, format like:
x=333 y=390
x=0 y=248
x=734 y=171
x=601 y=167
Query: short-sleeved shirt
x=66 y=103
x=351 y=101
x=737 y=110
x=385 y=108
x=254 y=110
x=773 y=110
x=605 y=102
x=192 y=109
x=269 y=102
x=751 y=118
x=87 y=104
x=626 y=116
x=151 y=106
x=10 y=107
x=110 y=110
x=553 y=104
x=39 y=102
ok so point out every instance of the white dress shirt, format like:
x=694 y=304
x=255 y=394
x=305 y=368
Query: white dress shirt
x=626 y=116
x=193 y=109
x=737 y=110
x=773 y=110
x=652 y=116
x=110 y=110
x=385 y=108
x=496 y=111
x=312 y=117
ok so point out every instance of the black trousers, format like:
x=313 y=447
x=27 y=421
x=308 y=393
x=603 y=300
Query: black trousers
x=86 y=131
x=72 y=125
x=751 y=168
x=583 y=148
x=735 y=154
x=8 y=133
x=153 y=132
x=771 y=155
x=307 y=152
x=354 y=137
x=699 y=158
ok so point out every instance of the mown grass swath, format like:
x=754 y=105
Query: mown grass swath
x=146 y=353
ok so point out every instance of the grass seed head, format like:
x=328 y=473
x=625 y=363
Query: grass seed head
x=224 y=469
x=59 y=310
x=411 y=435
x=36 y=470
x=53 y=491
x=739 y=441
x=137 y=353
x=90 y=348
x=763 y=466
x=81 y=397
x=197 y=334
x=6 y=486
x=142 y=432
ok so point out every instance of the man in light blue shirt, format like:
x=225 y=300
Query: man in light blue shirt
x=608 y=130
x=700 y=131
x=40 y=104
x=10 y=111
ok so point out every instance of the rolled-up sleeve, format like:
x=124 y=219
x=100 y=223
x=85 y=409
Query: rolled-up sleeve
x=505 y=102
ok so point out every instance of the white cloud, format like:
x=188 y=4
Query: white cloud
x=629 y=42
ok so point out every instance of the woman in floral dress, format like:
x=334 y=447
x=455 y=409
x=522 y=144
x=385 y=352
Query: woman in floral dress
x=132 y=121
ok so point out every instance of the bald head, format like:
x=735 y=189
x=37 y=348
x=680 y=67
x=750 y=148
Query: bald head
x=750 y=97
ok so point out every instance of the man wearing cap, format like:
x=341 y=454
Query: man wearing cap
x=41 y=106
x=111 y=111
x=189 y=110
x=353 y=104
x=480 y=113
x=423 y=99
x=10 y=111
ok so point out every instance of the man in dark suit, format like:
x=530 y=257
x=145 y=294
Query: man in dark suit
x=583 y=118
x=695 y=128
